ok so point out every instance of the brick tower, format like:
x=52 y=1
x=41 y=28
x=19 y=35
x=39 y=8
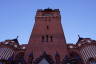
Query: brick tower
x=47 y=35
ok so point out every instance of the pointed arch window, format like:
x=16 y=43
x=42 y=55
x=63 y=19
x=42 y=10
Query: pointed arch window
x=43 y=61
x=19 y=58
x=51 y=38
x=46 y=38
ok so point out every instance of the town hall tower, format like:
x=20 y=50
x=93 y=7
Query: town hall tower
x=47 y=35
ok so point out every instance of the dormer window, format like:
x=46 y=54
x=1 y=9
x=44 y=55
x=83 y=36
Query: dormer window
x=89 y=41
x=24 y=47
x=15 y=46
x=79 y=44
x=6 y=42
x=71 y=46
x=82 y=40
x=12 y=41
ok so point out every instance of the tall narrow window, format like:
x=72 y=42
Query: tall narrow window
x=51 y=38
x=47 y=27
x=46 y=38
x=42 y=39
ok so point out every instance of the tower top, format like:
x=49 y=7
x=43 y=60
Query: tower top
x=48 y=10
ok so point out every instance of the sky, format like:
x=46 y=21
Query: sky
x=17 y=18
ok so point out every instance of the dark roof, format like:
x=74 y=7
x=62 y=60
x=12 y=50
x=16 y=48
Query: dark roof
x=15 y=40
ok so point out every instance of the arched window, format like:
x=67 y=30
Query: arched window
x=43 y=61
x=46 y=38
x=20 y=58
x=74 y=58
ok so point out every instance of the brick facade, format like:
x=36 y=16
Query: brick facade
x=47 y=44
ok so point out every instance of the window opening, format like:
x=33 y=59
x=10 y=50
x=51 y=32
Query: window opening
x=46 y=38
x=43 y=38
x=51 y=37
x=47 y=27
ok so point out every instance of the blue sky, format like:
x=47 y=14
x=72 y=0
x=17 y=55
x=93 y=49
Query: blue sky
x=17 y=18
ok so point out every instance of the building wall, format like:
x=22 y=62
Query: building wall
x=47 y=44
